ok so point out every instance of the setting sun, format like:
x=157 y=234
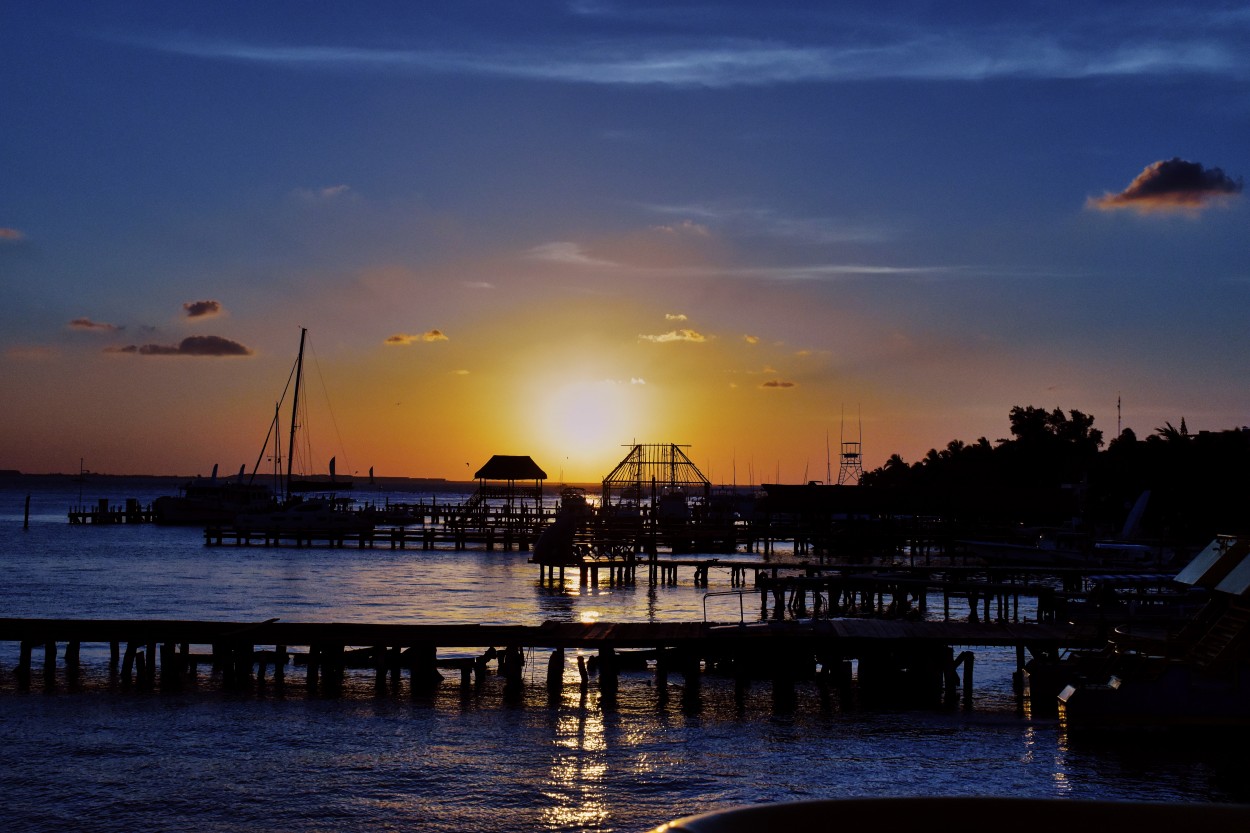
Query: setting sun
x=584 y=425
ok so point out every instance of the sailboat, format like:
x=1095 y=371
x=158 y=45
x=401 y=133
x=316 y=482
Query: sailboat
x=299 y=484
x=321 y=512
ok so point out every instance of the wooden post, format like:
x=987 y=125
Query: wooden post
x=26 y=516
x=313 y=667
x=280 y=657
x=969 y=661
x=379 y=666
x=49 y=663
x=555 y=673
x=609 y=671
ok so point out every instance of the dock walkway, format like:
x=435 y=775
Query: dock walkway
x=911 y=661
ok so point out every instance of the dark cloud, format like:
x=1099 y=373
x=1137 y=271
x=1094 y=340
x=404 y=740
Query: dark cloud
x=93 y=326
x=777 y=383
x=1171 y=185
x=192 y=346
x=404 y=339
x=202 y=309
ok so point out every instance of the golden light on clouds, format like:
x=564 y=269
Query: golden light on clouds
x=404 y=339
x=683 y=334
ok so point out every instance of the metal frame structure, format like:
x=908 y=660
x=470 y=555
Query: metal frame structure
x=660 y=466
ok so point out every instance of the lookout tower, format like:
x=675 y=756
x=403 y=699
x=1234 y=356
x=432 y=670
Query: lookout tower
x=851 y=462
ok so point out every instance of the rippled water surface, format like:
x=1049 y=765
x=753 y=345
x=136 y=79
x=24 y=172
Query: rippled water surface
x=382 y=759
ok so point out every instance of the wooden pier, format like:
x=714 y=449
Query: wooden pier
x=102 y=513
x=905 y=663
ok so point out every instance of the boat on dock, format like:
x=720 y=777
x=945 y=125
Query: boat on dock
x=202 y=501
x=1189 y=671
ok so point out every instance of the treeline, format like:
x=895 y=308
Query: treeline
x=1054 y=470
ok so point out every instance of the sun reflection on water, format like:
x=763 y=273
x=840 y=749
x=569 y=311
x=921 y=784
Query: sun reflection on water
x=579 y=767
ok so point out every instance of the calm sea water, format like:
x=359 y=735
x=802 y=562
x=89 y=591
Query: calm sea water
x=372 y=760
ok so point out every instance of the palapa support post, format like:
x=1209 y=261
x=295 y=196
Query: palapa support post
x=582 y=672
x=424 y=665
x=280 y=658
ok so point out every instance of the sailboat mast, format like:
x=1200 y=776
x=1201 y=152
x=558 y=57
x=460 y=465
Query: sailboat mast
x=299 y=372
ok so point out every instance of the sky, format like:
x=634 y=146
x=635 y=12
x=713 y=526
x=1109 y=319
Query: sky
x=560 y=228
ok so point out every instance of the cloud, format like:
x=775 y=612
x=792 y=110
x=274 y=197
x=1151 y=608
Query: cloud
x=1171 y=185
x=202 y=309
x=461 y=372
x=756 y=221
x=93 y=326
x=688 y=227
x=890 y=47
x=191 y=346
x=675 y=316
x=637 y=381
x=777 y=383
x=477 y=284
x=675 y=335
x=750 y=339
x=404 y=339
x=30 y=352
x=11 y=235
x=325 y=194
x=564 y=252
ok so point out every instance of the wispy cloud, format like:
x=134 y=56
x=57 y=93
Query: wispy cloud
x=564 y=252
x=714 y=56
x=191 y=346
x=324 y=193
x=777 y=383
x=675 y=335
x=202 y=309
x=757 y=221
x=1171 y=186
x=87 y=325
x=675 y=316
x=477 y=284
x=685 y=227
x=404 y=339
x=11 y=235
x=750 y=339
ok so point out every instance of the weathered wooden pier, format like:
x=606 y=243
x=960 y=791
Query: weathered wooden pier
x=870 y=661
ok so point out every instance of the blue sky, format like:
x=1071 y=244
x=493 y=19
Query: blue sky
x=902 y=209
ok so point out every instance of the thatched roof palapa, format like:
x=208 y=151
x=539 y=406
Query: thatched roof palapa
x=510 y=467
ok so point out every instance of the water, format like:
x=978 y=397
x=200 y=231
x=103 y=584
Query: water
x=207 y=760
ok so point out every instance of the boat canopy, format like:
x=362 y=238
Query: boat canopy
x=1211 y=567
